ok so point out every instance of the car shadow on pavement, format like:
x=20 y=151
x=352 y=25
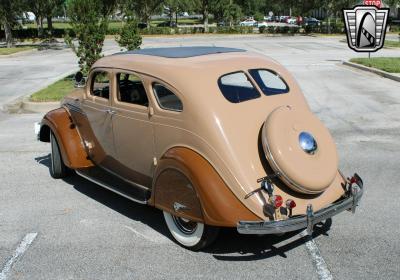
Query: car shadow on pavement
x=232 y=246
x=229 y=246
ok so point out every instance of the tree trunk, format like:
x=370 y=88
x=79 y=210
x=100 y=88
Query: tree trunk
x=50 y=24
x=205 y=15
x=9 y=38
x=39 y=26
x=176 y=18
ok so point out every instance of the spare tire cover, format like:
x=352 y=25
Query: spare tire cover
x=300 y=149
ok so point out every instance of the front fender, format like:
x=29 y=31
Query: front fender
x=71 y=147
x=209 y=201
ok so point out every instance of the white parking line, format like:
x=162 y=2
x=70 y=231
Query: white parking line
x=317 y=259
x=149 y=235
x=22 y=247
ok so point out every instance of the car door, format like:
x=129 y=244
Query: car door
x=94 y=118
x=133 y=129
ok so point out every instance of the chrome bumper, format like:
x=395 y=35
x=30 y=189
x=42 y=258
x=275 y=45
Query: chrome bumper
x=307 y=221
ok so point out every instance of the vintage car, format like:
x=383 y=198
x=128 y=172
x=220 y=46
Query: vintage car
x=214 y=137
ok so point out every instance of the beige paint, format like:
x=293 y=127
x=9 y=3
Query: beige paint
x=224 y=133
x=306 y=173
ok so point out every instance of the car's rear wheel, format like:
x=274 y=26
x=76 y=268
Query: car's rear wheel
x=57 y=167
x=189 y=234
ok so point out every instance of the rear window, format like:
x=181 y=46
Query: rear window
x=236 y=87
x=269 y=82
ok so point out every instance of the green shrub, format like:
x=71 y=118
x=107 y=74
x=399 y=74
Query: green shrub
x=89 y=20
x=129 y=36
x=271 y=29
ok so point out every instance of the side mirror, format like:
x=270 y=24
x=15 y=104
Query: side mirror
x=79 y=79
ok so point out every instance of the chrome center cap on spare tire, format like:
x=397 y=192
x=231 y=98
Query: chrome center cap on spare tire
x=308 y=143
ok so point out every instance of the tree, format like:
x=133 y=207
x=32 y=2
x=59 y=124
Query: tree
x=89 y=19
x=232 y=13
x=50 y=8
x=143 y=9
x=129 y=36
x=175 y=7
x=10 y=11
x=37 y=7
x=205 y=10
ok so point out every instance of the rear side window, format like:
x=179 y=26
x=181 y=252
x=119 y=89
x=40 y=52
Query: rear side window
x=101 y=84
x=167 y=99
x=269 y=82
x=131 y=90
x=236 y=87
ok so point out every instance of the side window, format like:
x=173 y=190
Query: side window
x=131 y=89
x=166 y=98
x=269 y=82
x=100 y=86
x=237 y=88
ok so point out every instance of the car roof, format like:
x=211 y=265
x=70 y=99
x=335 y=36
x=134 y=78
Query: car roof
x=181 y=52
x=189 y=73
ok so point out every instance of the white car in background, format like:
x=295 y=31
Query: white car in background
x=262 y=24
x=248 y=22
x=292 y=20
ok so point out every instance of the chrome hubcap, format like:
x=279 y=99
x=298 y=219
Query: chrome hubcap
x=184 y=225
x=308 y=143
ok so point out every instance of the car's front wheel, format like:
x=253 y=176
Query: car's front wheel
x=57 y=167
x=191 y=235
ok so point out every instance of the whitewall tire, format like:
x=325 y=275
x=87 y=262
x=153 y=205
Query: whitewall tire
x=189 y=234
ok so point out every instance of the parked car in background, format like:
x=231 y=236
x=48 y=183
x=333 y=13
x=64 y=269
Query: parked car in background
x=213 y=137
x=311 y=22
x=283 y=18
x=262 y=24
x=291 y=20
x=248 y=22
x=269 y=18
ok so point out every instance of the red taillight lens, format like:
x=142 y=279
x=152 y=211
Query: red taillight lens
x=277 y=201
x=290 y=204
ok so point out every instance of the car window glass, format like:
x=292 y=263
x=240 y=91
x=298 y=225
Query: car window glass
x=131 y=89
x=166 y=98
x=269 y=82
x=236 y=87
x=101 y=84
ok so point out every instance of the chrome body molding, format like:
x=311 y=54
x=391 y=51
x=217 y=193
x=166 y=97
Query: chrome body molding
x=304 y=222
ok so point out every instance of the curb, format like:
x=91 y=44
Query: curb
x=373 y=70
x=22 y=104
x=19 y=53
x=38 y=107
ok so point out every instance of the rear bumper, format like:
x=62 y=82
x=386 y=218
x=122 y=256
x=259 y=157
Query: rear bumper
x=307 y=221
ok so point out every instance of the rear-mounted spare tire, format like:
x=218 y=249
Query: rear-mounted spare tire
x=300 y=149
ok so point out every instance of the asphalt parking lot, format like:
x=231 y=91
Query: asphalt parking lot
x=73 y=229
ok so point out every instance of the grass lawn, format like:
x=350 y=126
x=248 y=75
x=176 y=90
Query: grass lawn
x=392 y=44
x=388 y=64
x=54 y=92
x=6 y=51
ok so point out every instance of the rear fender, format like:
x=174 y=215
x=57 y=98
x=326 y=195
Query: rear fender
x=186 y=185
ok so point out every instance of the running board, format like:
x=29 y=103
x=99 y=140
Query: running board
x=115 y=184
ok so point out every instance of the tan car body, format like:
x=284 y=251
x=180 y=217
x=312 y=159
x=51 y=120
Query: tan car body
x=207 y=157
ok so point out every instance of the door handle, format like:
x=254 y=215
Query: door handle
x=111 y=112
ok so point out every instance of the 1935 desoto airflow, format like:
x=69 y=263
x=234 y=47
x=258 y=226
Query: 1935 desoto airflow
x=214 y=137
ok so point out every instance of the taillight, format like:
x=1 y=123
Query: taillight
x=277 y=201
x=290 y=204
